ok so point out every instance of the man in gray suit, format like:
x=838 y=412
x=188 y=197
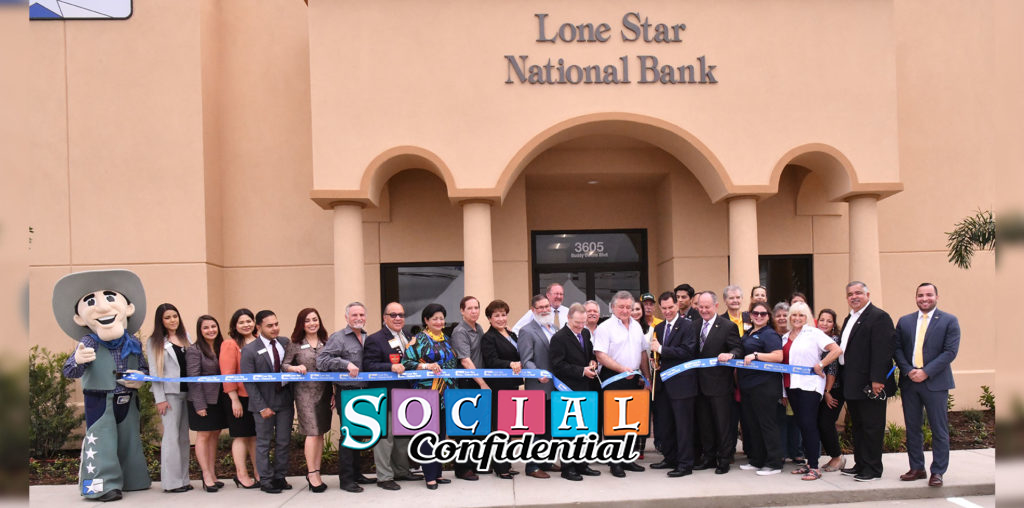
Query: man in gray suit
x=344 y=353
x=271 y=403
x=927 y=343
x=534 y=339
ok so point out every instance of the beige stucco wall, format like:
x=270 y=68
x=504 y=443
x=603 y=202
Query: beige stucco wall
x=184 y=143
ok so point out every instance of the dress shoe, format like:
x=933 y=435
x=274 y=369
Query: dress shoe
x=617 y=471
x=935 y=480
x=914 y=474
x=443 y=481
x=722 y=469
x=678 y=472
x=240 y=485
x=113 y=495
x=470 y=476
x=663 y=465
x=183 y=488
x=410 y=477
x=351 y=487
x=587 y=471
x=538 y=474
x=388 y=485
x=705 y=465
x=634 y=467
x=362 y=480
x=571 y=476
x=270 y=489
x=850 y=471
x=864 y=477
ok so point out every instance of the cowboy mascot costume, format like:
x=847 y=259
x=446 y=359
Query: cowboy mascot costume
x=101 y=309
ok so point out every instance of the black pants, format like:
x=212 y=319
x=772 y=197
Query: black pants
x=673 y=426
x=761 y=436
x=868 y=417
x=805 y=408
x=717 y=432
x=827 y=417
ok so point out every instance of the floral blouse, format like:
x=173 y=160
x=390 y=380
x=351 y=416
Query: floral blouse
x=425 y=348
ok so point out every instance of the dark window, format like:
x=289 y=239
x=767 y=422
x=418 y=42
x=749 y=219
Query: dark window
x=785 y=274
x=415 y=285
x=590 y=264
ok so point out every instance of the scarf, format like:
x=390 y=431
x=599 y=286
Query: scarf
x=125 y=343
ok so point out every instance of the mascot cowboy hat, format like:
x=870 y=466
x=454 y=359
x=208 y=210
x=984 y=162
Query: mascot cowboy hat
x=72 y=287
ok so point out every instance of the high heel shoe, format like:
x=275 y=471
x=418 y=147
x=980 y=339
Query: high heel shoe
x=315 y=488
x=210 y=488
x=239 y=484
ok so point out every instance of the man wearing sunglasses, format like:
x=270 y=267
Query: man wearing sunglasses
x=383 y=352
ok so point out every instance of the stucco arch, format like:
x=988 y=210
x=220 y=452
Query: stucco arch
x=833 y=170
x=397 y=159
x=678 y=142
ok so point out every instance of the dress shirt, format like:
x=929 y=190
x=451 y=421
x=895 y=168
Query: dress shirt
x=854 y=316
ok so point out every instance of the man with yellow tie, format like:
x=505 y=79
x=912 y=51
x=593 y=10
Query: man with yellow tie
x=928 y=343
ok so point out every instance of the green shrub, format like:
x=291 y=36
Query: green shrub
x=987 y=398
x=52 y=418
x=895 y=438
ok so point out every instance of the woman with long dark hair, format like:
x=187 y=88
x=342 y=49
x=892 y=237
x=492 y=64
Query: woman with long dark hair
x=760 y=392
x=241 y=425
x=832 y=400
x=206 y=401
x=165 y=353
x=431 y=350
x=312 y=399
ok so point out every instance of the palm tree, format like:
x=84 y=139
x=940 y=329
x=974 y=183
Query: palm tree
x=970 y=234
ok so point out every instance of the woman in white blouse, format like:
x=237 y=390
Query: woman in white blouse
x=804 y=345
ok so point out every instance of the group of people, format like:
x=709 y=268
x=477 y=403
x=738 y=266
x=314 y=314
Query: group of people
x=696 y=414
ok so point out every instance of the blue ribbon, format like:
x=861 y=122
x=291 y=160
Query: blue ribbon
x=340 y=377
x=702 y=363
x=622 y=375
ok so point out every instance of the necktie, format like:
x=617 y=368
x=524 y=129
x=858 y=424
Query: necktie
x=580 y=337
x=277 y=357
x=704 y=334
x=922 y=327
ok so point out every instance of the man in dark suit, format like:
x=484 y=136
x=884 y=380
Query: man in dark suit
x=383 y=352
x=867 y=344
x=344 y=353
x=674 y=399
x=716 y=337
x=271 y=402
x=927 y=343
x=572 y=361
x=534 y=342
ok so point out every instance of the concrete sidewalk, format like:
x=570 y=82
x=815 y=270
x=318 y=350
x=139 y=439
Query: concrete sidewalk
x=971 y=473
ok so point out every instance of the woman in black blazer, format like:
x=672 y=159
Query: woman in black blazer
x=207 y=403
x=500 y=350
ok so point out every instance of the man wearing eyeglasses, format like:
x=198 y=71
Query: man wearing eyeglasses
x=868 y=341
x=383 y=352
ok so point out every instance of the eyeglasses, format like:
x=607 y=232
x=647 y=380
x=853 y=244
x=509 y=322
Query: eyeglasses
x=395 y=315
x=758 y=313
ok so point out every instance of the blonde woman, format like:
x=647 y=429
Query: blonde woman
x=165 y=353
x=804 y=345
